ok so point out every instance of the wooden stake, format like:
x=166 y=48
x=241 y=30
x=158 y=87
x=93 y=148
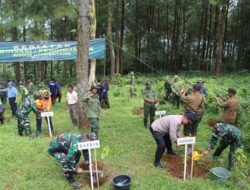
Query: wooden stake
x=97 y=177
x=192 y=162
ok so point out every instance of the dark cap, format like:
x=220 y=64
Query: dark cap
x=197 y=87
x=232 y=90
x=190 y=115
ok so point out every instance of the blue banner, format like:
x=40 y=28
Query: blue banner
x=45 y=51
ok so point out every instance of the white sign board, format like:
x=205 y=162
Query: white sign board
x=185 y=140
x=88 y=145
x=47 y=114
x=162 y=112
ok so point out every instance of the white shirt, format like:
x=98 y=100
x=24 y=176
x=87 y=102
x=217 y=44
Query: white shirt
x=72 y=97
x=168 y=124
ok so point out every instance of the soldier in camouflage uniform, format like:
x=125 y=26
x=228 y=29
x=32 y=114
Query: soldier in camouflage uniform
x=24 y=91
x=93 y=109
x=65 y=150
x=230 y=136
x=204 y=90
x=23 y=111
x=176 y=88
x=150 y=100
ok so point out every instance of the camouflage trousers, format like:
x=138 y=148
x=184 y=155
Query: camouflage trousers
x=68 y=168
x=224 y=143
x=23 y=124
x=94 y=125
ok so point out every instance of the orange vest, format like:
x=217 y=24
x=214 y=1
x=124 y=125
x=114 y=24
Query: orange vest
x=43 y=104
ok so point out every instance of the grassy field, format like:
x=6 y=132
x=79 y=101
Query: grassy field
x=25 y=164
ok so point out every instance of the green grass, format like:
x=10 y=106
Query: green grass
x=25 y=164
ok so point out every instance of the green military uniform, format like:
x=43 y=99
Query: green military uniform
x=176 y=88
x=204 y=91
x=24 y=92
x=65 y=150
x=93 y=111
x=149 y=107
x=229 y=135
x=22 y=115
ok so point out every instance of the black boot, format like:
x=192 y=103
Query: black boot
x=73 y=183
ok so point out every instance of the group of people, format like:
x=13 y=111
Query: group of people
x=31 y=100
x=167 y=129
x=63 y=148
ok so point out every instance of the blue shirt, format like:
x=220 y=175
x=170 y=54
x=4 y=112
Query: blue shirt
x=11 y=92
x=53 y=87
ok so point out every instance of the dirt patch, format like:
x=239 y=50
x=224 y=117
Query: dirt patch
x=103 y=174
x=138 y=111
x=56 y=133
x=175 y=166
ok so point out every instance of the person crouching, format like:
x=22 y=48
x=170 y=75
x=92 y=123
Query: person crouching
x=65 y=150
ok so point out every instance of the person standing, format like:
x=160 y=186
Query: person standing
x=105 y=98
x=41 y=84
x=30 y=87
x=176 y=88
x=168 y=90
x=24 y=91
x=59 y=91
x=204 y=90
x=43 y=104
x=132 y=89
x=165 y=131
x=230 y=106
x=23 y=122
x=53 y=90
x=100 y=90
x=194 y=104
x=93 y=109
x=72 y=104
x=149 y=96
x=12 y=95
x=2 y=110
x=65 y=150
x=230 y=136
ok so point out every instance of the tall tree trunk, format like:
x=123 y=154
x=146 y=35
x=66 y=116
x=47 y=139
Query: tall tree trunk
x=200 y=37
x=26 y=64
x=4 y=64
x=117 y=37
x=122 y=35
x=14 y=33
x=82 y=61
x=219 y=54
x=109 y=38
x=92 y=16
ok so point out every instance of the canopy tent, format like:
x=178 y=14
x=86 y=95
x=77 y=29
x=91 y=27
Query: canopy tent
x=47 y=50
